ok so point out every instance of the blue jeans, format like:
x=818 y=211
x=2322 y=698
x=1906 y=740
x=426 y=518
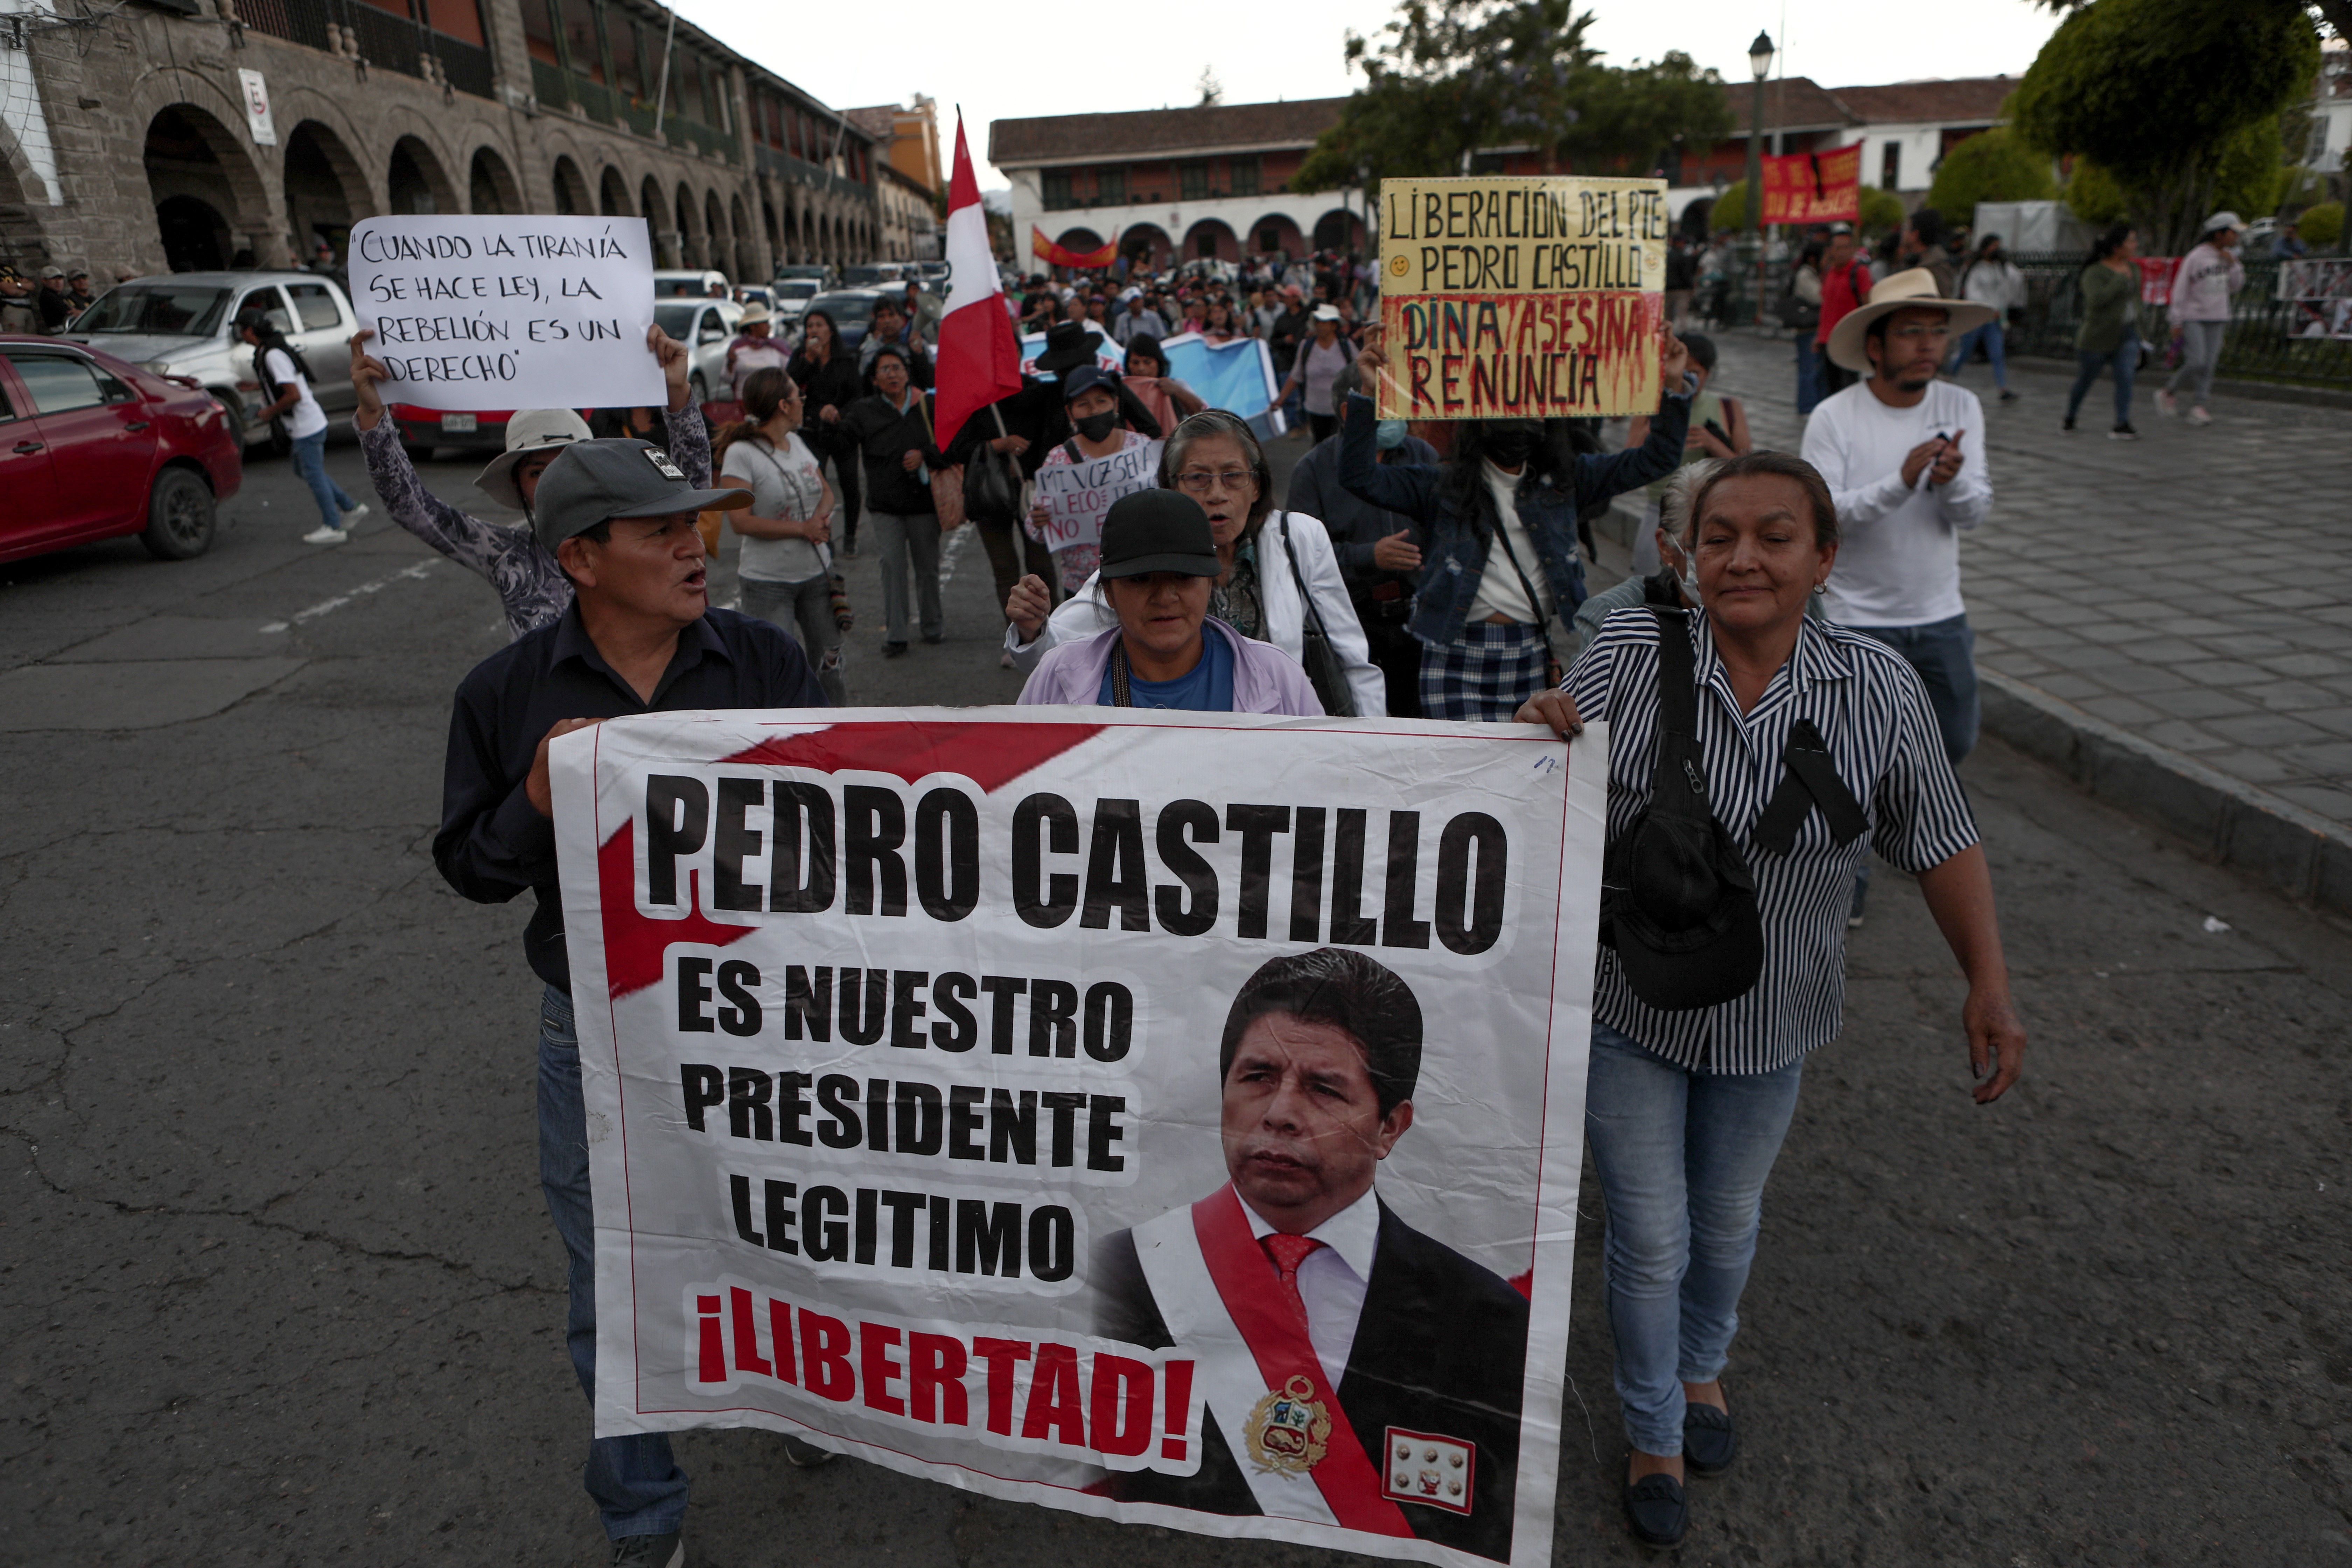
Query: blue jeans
x=1683 y=1157
x=1944 y=653
x=638 y=1488
x=1808 y=371
x=310 y=462
x=2124 y=359
x=1989 y=335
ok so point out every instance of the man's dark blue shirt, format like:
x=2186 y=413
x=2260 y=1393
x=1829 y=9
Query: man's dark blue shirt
x=493 y=842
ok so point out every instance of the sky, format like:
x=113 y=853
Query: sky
x=1014 y=61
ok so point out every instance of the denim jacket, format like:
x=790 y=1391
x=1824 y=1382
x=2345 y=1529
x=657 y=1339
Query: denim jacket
x=1453 y=559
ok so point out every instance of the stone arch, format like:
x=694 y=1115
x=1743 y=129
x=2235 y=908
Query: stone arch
x=210 y=201
x=739 y=224
x=1147 y=244
x=570 y=186
x=1339 y=229
x=418 y=182
x=1280 y=229
x=768 y=222
x=689 y=228
x=1212 y=236
x=613 y=192
x=491 y=185
x=716 y=250
x=326 y=188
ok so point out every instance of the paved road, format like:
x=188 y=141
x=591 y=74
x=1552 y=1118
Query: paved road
x=2187 y=586
x=279 y=1287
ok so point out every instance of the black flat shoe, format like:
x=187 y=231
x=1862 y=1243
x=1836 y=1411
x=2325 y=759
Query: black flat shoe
x=1710 y=1442
x=893 y=649
x=1656 y=1508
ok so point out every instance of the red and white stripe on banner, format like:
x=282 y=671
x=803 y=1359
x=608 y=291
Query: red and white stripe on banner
x=1217 y=1293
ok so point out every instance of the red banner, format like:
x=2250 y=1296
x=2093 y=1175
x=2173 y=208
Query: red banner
x=1057 y=256
x=1814 y=187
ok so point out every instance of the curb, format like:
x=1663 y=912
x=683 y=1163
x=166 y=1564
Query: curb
x=2225 y=819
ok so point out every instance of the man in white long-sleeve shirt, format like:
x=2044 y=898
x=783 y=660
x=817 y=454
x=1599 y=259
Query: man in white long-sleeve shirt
x=1902 y=454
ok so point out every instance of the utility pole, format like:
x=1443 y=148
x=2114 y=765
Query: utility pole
x=1759 y=61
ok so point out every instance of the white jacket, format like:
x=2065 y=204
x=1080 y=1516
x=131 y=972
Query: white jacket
x=1996 y=283
x=1086 y=614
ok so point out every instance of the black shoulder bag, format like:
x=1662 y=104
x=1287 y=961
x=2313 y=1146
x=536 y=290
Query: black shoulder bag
x=1677 y=898
x=991 y=494
x=1324 y=670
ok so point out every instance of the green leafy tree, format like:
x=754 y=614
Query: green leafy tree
x=2251 y=177
x=2092 y=195
x=1990 y=166
x=1449 y=78
x=2322 y=225
x=2157 y=91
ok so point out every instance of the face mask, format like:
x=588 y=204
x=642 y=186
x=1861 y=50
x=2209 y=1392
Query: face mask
x=1097 y=427
x=1685 y=570
x=1389 y=435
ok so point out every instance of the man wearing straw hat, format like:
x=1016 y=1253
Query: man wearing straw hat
x=1904 y=456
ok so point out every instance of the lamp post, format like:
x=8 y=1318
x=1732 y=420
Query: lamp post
x=1759 y=62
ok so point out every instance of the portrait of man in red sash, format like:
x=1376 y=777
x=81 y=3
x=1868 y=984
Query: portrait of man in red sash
x=1356 y=1370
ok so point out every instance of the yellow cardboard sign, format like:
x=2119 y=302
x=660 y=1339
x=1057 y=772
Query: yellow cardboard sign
x=1535 y=297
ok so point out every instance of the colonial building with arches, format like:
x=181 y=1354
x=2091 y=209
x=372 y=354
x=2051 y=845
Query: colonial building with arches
x=1167 y=185
x=136 y=141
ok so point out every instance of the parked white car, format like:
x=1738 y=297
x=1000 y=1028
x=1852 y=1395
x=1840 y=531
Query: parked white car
x=706 y=327
x=184 y=323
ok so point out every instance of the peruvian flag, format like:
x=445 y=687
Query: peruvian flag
x=979 y=358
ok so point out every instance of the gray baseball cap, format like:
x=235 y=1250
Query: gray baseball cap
x=595 y=481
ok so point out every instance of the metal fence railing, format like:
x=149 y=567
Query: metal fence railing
x=385 y=41
x=2263 y=343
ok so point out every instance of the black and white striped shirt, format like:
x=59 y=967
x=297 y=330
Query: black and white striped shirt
x=1870 y=708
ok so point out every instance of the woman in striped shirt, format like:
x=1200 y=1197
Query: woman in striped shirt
x=1684 y=1111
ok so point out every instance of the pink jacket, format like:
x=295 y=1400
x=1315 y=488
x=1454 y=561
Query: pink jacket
x=2201 y=287
x=1265 y=678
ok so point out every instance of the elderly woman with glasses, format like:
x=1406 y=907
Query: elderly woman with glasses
x=1278 y=577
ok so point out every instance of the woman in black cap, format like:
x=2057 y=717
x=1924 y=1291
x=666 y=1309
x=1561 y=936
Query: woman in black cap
x=1090 y=398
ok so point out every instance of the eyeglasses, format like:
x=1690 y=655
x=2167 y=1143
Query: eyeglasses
x=1200 y=481
x=1921 y=334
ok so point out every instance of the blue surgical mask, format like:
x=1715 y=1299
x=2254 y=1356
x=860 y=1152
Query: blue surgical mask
x=1389 y=434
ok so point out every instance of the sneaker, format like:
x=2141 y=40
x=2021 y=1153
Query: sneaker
x=805 y=1455
x=2166 y=404
x=2198 y=416
x=1853 y=915
x=650 y=1551
x=2122 y=432
x=2007 y=395
x=354 y=515
x=322 y=534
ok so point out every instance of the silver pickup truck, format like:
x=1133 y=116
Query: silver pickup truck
x=183 y=323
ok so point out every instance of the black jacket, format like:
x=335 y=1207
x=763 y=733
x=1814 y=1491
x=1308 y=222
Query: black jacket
x=1441 y=1347
x=885 y=436
x=1355 y=526
x=833 y=384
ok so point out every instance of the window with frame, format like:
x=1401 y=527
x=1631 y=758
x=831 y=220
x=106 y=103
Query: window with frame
x=1244 y=175
x=1057 y=190
x=538 y=25
x=581 y=46
x=1890 y=165
x=1110 y=187
x=60 y=384
x=1193 y=182
x=628 y=54
x=314 y=307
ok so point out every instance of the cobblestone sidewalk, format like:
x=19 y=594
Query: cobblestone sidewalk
x=2193 y=587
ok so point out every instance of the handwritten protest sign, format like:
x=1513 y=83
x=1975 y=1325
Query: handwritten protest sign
x=1813 y=188
x=924 y=1053
x=1535 y=298
x=536 y=312
x=1077 y=496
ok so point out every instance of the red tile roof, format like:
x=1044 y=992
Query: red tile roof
x=1963 y=101
x=1161 y=133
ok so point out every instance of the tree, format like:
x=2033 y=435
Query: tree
x=1212 y=91
x=2251 y=177
x=1990 y=166
x=1453 y=78
x=2336 y=14
x=2156 y=91
x=2322 y=226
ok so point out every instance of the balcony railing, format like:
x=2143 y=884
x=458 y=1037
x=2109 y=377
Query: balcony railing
x=385 y=40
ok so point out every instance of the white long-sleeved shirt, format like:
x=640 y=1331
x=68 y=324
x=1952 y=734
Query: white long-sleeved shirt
x=1899 y=558
x=1333 y=1277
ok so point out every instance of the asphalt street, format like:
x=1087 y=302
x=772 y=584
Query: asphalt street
x=279 y=1286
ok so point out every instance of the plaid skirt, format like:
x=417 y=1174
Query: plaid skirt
x=1483 y=674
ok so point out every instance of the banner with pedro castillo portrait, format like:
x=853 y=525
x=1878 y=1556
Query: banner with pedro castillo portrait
x=1538 y=297
x=1172 y=1120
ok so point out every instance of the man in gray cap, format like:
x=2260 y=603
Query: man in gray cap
x=55 y=311
x=639 y=636
x=531 y=585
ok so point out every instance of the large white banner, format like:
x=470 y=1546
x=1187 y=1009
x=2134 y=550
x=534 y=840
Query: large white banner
x=1176 y=1120
x=506 y=312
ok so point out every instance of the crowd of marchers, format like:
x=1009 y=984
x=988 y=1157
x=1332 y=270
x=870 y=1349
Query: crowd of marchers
x=1789 y=670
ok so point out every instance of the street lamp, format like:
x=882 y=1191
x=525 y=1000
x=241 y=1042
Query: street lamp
x=1759 y=61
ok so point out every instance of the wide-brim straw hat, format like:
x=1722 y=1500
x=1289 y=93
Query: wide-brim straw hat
x=530 y=430
x=1915 y=289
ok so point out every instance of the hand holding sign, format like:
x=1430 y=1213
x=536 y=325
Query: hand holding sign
x=536 y=312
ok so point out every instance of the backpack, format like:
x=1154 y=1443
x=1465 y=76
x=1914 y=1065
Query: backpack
x=1795 y=310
